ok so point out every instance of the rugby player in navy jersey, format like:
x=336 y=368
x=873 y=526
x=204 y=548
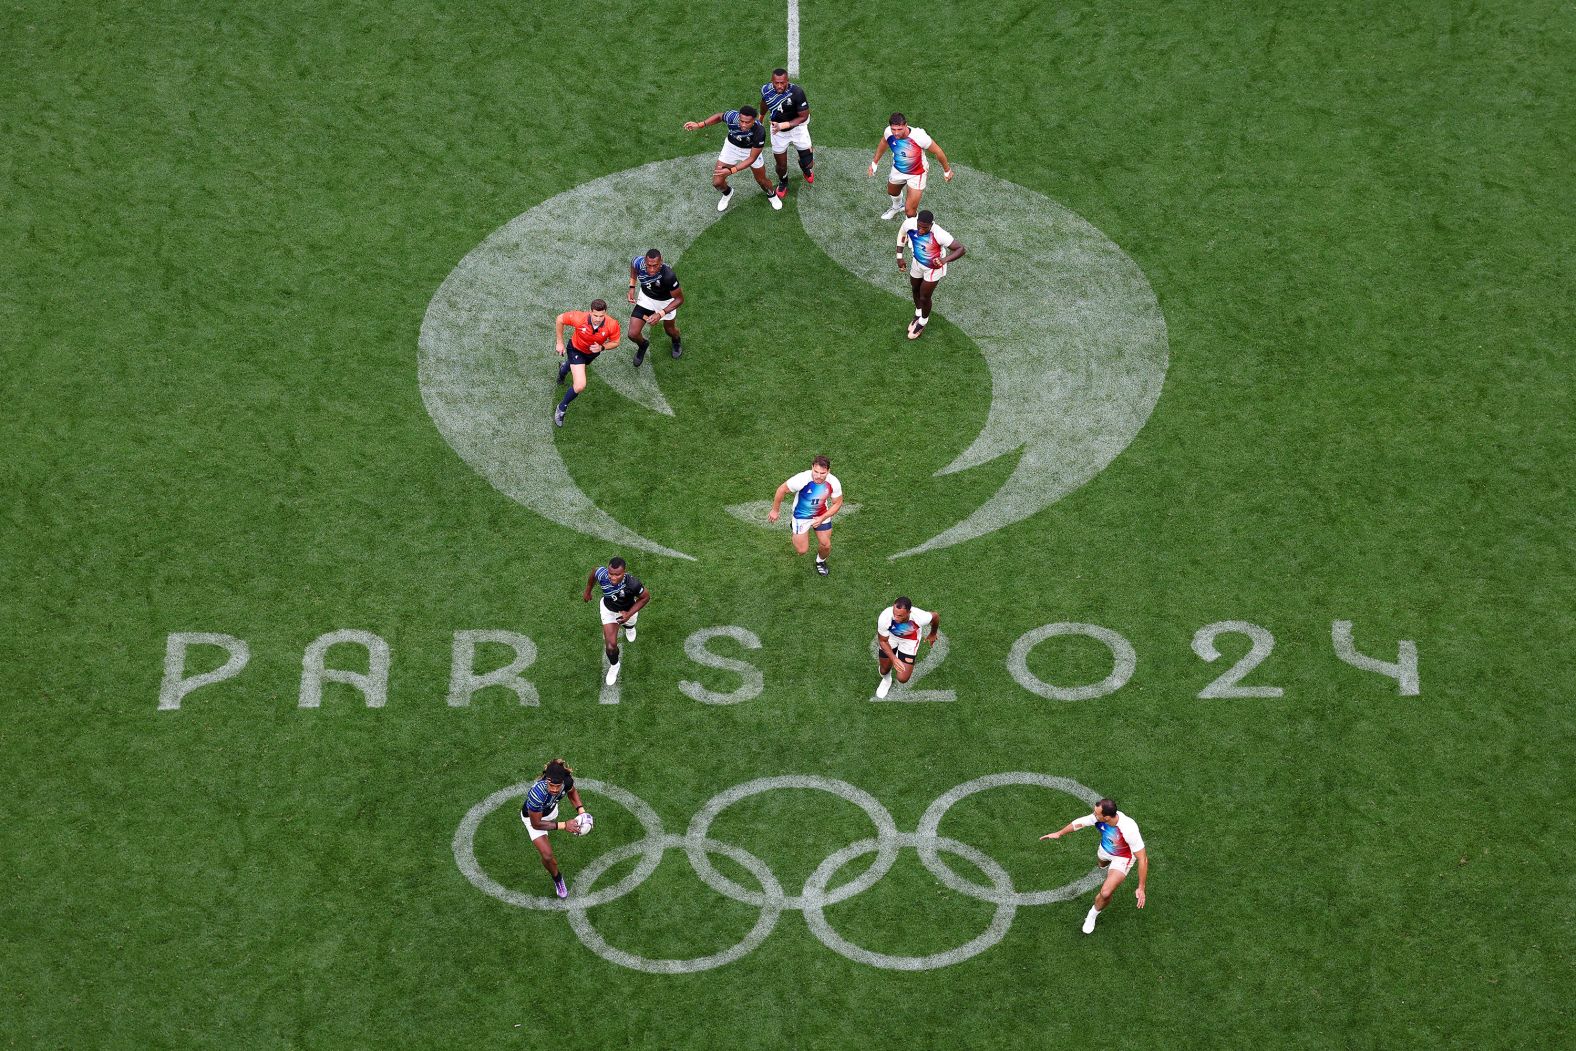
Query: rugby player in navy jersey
x=655 y=292
x=818 y=495
x=786 y=107
x=623 y=597
x=746 y=139
x=539 y=812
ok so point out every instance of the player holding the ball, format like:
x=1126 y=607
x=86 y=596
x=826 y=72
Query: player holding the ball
x=898 y=631
x=742 y=149
x=932 y=248
x=907 y=177
x=592 y=333
x=540 y=814
x=1120 y=845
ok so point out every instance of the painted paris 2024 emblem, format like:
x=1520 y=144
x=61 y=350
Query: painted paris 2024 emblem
x=1067 y=324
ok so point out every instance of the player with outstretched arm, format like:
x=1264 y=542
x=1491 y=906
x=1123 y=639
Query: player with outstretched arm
x=1120 y=845
x=539 y=812
x=933 y=248
x=898 y=630
x=623 y=597
x=908 y=146
x=742 y=149
x=818 y=495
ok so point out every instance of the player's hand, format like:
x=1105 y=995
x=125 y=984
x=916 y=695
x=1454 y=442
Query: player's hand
x=1140 y=897
x=947 y=175
x=631 y=295
x=560 y=350
x=691 y=125
x=872 y=170
x=596 y=348
x=1050 y=835
x=772 y=516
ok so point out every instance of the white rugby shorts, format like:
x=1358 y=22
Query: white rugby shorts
x=609 y=617
x=913 y=182
x=798 y=137
x=537 y=833
x=925 y=273
x=645 y=302
x=732 y=155
x=1122 y=865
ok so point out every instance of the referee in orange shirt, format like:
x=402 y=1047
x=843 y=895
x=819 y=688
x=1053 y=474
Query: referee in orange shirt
x=593 y=333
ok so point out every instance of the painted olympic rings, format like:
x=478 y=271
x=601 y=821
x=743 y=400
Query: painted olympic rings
x=771 y=897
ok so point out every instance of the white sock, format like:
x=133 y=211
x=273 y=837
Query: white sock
x=918 y=312
x=819 y=558
x=1094 y=914
x=897 y=202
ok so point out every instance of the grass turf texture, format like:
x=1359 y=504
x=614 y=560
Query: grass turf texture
x=222 y=229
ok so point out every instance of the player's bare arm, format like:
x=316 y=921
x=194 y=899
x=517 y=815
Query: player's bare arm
x=540 y=823
x=634 y=283
x=696 y=125
x=787 y=125
x=590 y=583
x=558 y=333
x=946 y=165
x=935 y=627
x=573 y=827
x=881 y=148
x=957 y=252
x=1143 y=874
x=1059 y=833
x=777 y=503
x=831 y=509
x=887 y=653
x=640 y=604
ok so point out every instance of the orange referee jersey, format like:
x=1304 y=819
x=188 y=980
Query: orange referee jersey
x=585 y=335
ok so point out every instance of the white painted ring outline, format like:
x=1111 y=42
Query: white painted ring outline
x=772 y=899
x=886 y=836
x=1000 y=924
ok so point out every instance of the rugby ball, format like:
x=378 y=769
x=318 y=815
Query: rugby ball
x=585 y=822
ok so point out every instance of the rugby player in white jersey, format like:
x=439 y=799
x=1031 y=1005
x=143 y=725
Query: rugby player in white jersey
x=909 y=171
x=818 y=495
x=933 y=248
x=1120 y=845
x=898 y=631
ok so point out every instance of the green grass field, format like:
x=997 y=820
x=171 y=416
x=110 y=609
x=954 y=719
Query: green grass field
x=222 y=229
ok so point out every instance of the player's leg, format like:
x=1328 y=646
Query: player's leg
x=672 y=329
x=610 y=644
x=904 y=668
x=1113 y=879
x=806 y=151
x=800 y=530
x=765 y=183
x=637 y=325
x=719 y=175
x=823 y=548
x=915 y=285
x=780 y=159
x=884 y=667
x=544 y=849
x=577 y=371
x=895 y=193
x=927 y=289
x=629 y=627
x=916 y=189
